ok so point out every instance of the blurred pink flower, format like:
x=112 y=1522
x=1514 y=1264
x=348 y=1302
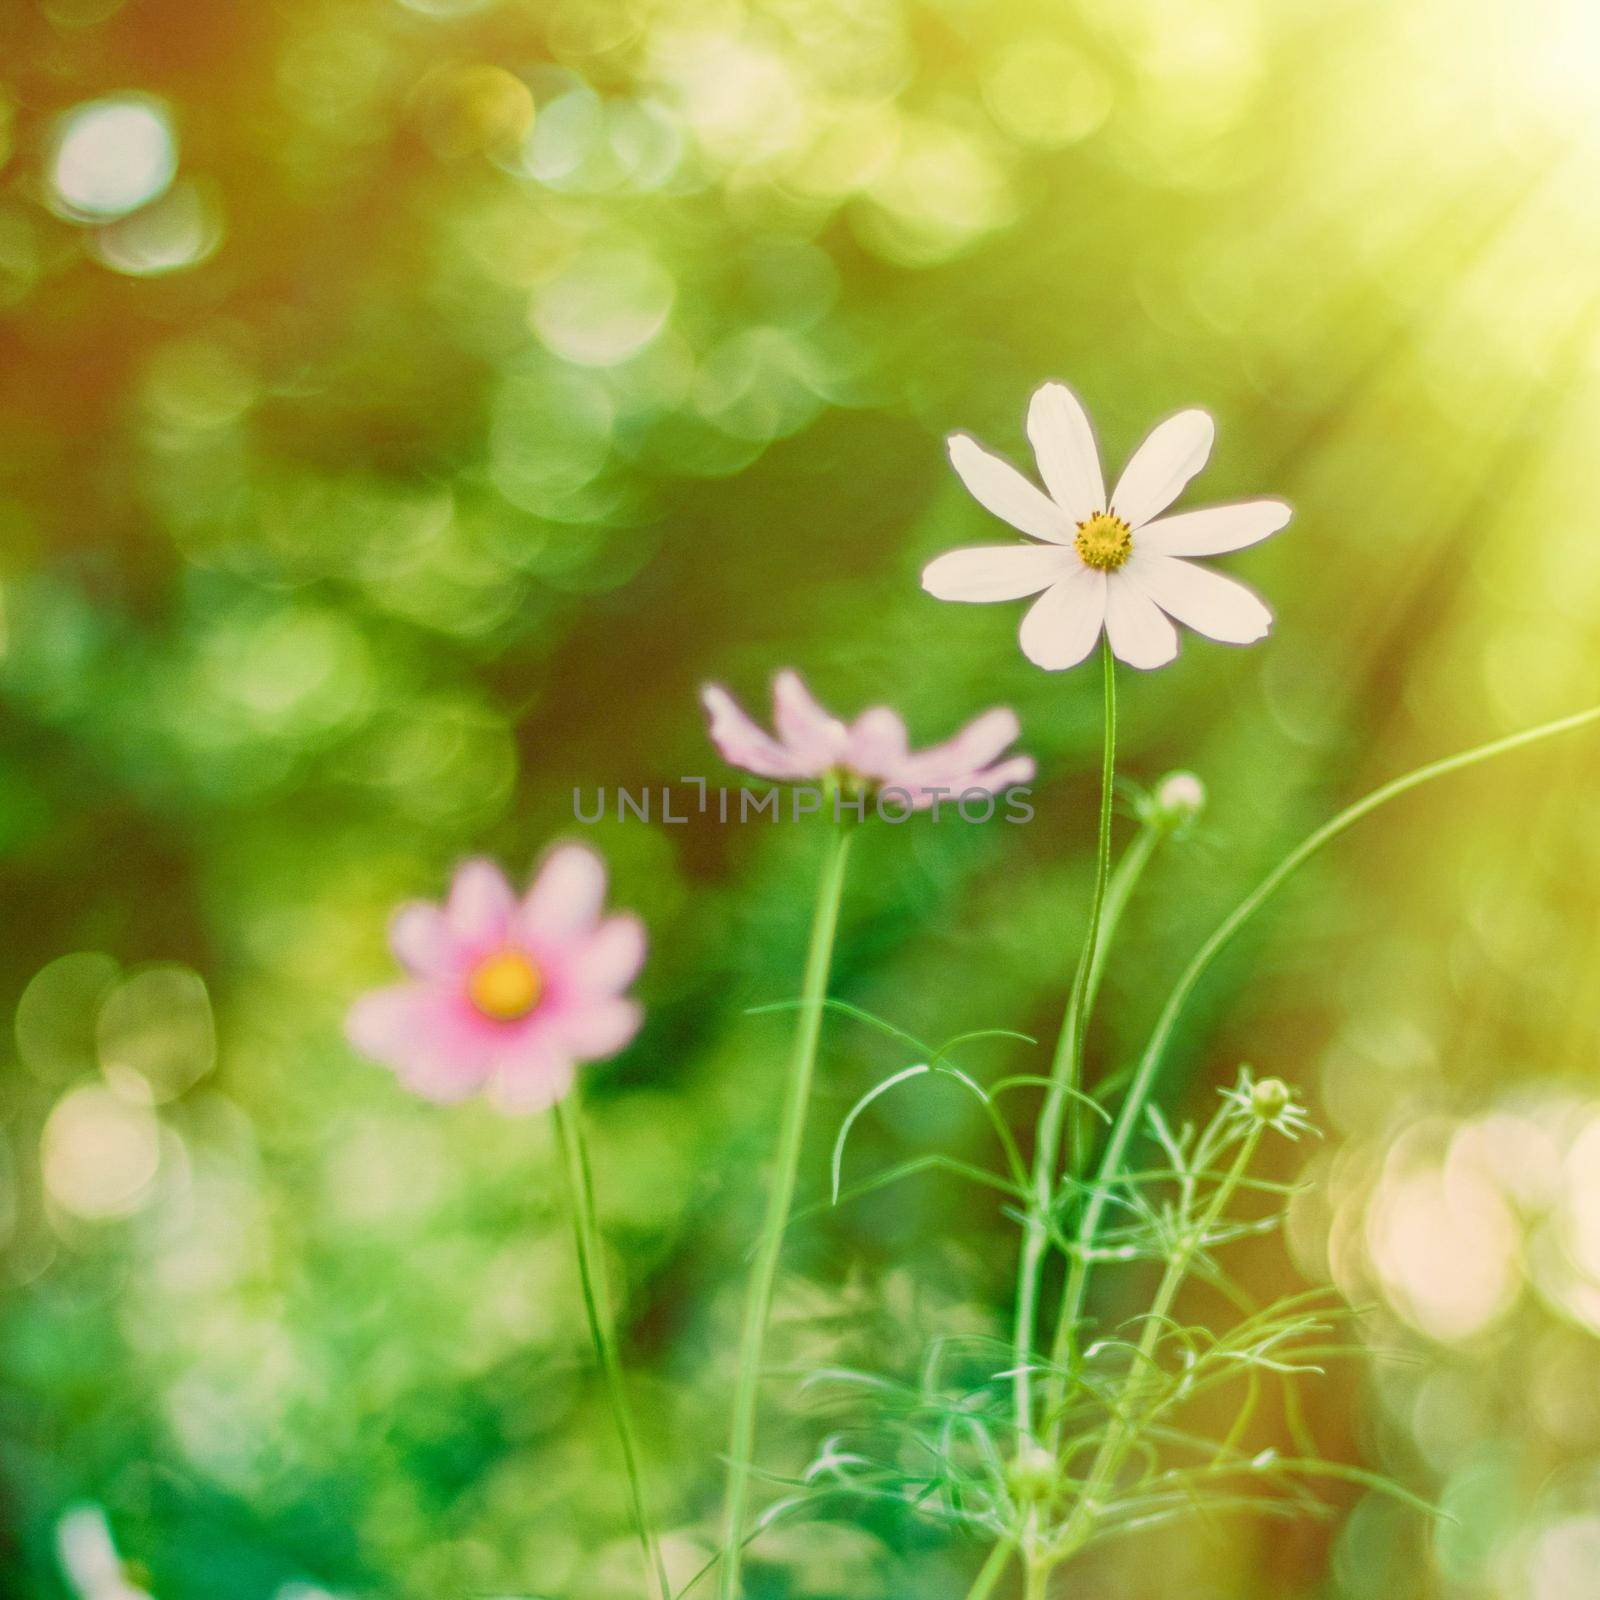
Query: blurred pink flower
x=506 y=995
x=872 y=751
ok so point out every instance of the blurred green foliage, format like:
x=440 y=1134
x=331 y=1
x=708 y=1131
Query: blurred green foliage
x=405 y=406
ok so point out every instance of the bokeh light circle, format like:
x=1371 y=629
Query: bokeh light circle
x=112 y=156
x=99 y=1154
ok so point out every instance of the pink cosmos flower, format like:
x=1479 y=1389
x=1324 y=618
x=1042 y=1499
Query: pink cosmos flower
x=873 y=750
x=506 y=995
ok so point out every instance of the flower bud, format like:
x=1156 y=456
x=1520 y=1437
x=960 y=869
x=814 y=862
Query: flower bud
x=1032 y=1476
x=1177 y=800
x=1270 y=1098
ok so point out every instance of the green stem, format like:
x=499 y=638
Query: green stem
x=1066 y=1075
x=780 y=1200
x=991 y=1572
x=1114 y=1447
x=1150 y=1062
x=1123 y=882
x=1037 y=1580
x=602 y=1324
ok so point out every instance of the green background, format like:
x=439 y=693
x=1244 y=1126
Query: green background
x=487 y=377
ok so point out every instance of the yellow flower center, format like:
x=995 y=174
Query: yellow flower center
x=1104 y=541
x=505 y=986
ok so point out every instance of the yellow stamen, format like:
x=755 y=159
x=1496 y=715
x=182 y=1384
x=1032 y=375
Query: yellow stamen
x=505 y=986
x=1104 y=541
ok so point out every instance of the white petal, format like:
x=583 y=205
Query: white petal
x=1063 y=443
x=996 y=571
x=1215 y=530
x=997 y=486
x=1063 y=623
x=1139 y=634
x=1218 y=607
x=1174 y=451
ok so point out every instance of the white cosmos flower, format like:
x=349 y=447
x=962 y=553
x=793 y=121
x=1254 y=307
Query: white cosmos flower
x=1105 y=562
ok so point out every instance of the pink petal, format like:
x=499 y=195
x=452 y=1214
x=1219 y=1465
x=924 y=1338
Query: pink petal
x=428 y=1035
x=598 y=1028
x=609 y=959
x=421 y=938
x=953 y=786
x=566 y=897
x=956 y=781
x=964 y=761
x=741 y=743
x=1003 y=775
x=383 y=1023
x=532 y=1083
x=815 y=740
x=480 y=905
x=877 y=743
x=979 y=742
x=439 y=1081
